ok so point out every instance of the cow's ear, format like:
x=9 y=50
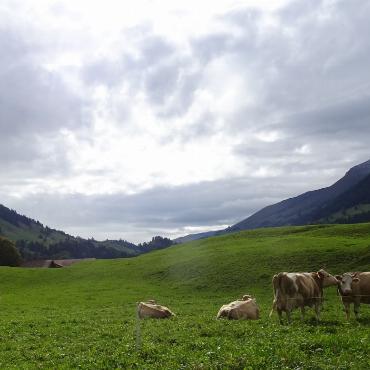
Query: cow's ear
x=355 y=280
x=321 y=274
x=338 y=277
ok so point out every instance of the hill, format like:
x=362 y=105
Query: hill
x=301 y=210
x=312 y=207
x=350 y=207
x=36 y=241
x=84 y=316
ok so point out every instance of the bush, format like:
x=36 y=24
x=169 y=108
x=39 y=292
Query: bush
x=9 y=255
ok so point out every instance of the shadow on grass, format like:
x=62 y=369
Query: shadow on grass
x=364 y=321
x=337 y=323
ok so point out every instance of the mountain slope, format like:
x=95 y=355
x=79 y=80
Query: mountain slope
x=191 y=237
x=308 y=208
x=302 y=209
x=36 y=241
x=350 y=207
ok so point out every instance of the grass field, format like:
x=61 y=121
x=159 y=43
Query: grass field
x=84 y=316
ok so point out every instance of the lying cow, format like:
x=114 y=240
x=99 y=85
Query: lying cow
x=354 y=287
x=245 y=308
x=153 y=310
x=298 y=290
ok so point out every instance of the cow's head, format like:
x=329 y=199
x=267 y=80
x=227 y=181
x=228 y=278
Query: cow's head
x=326 y=278
x=246 y=297
x=345 y=282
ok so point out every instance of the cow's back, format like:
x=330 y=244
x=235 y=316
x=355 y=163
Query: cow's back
x=244 y=310
x=146 y=309
x=308 y=288
x=295 y=289
x=362 y=288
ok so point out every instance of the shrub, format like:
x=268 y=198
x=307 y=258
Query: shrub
x=9 y=255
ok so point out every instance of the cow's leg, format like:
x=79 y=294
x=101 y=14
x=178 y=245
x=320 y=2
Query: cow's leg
x=347 y=307
x=302 y=312
x=356 y=309
x=273 y=308
x=280 y=314
x=317 y=310
x=288 y=316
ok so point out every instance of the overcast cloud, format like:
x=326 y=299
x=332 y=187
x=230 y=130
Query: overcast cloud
x=126 y=120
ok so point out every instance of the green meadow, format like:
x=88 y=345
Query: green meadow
x=84 y=316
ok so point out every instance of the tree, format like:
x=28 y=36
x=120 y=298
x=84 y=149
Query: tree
x=9 y=255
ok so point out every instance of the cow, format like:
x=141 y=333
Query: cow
x=354 y=287
x=153 y=310
x=298 y=290
x=245 y=308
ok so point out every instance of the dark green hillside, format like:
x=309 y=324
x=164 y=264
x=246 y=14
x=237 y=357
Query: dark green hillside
x=350 y=207
x=84 y=316
x=36 y=241
x=18 y=227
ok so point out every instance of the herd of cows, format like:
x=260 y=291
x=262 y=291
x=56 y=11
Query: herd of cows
x=291 y=290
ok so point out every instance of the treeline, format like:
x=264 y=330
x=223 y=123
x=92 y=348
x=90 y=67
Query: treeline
x=16 y=219
x=47 y=243
x=73 y=248
x=157 y=242
x=88 y=248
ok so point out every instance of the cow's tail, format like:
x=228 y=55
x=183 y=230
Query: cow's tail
x=276 y=288
x=138 y=310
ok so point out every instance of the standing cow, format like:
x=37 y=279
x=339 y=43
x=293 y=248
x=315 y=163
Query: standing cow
x=298 y=290
x=354 y=287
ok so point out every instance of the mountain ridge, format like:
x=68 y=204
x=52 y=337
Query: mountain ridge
x=299 y=210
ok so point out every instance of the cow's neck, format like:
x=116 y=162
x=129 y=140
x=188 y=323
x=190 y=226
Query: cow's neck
x=318 y=281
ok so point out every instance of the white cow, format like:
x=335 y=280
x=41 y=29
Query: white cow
x=245 y=308
x=153 y=310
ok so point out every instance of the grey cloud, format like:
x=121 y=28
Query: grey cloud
x=32 y=99
x=161 y=82
x=34 y=106
x=166 y=210
x=310 y=79
x=208 y=47
x=211 y=203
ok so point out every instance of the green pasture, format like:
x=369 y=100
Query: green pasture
x=84 y=316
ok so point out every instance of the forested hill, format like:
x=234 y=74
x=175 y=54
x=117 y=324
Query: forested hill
x=350 y=207
x=36 y=241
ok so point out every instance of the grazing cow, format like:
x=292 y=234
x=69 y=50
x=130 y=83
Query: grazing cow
x=354 y=287
x=298 y=290
x=245 y=308
x=153 y=310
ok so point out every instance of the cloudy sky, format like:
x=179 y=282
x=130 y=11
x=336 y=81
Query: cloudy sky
x=123 y=119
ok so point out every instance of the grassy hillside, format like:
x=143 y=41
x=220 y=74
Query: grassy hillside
x=17 y=227
x=84 y=316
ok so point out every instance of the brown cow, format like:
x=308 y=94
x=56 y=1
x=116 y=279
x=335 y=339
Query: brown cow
x=245 y=308
x=153 y=310
x=354 y=287
x=298 y=290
